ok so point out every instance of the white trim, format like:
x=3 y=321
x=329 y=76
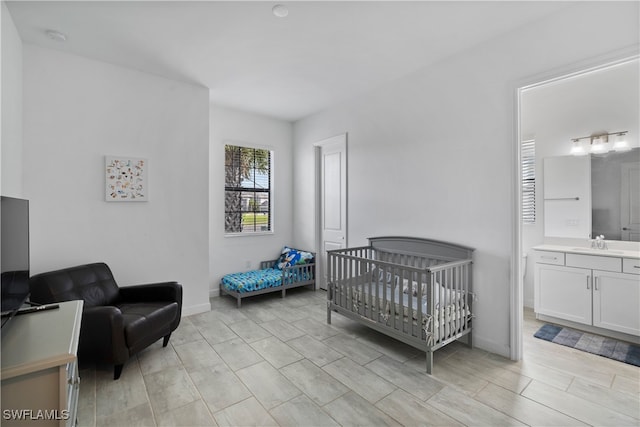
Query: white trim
x=196 y=309
x=516 y=311
x=249 y=234
x=490 y=346
x=317 y=147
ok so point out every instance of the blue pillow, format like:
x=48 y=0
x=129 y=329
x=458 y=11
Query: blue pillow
x=290 y=257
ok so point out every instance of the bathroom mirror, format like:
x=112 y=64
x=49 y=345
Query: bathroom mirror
x=588 y=196
x=615 y=195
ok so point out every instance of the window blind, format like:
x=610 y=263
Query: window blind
x=247 y=190
x=528 y=181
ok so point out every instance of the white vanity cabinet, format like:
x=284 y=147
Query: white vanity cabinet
x=563 y=292
x=593 y=290
x=616 y=297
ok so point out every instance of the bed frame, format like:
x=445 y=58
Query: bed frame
x=292 y=277
x=366 y=284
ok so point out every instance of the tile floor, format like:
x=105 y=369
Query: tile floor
x=276 y=362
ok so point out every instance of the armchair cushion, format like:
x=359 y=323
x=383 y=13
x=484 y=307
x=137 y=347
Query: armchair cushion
x=147 y=321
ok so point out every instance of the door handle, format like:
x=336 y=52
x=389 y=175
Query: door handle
x=588 y=280
x=595 y=286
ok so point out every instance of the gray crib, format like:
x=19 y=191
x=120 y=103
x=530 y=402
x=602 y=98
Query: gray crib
x=413 y=289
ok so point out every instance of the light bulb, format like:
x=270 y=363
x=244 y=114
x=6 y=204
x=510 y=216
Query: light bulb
x=597 y=146
x=577 y=149
x=621 y=143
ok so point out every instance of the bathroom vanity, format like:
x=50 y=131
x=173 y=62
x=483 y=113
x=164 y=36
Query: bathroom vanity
x=597 y=290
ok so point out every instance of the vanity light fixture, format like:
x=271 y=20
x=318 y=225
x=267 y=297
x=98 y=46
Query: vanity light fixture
x=598 y=143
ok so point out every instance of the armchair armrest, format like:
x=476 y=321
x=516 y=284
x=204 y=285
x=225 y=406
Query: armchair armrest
x=165 y=291
x=102 y=335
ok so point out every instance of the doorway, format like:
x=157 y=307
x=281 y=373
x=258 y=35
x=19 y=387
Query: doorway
x=553 y=139
x=331 y=178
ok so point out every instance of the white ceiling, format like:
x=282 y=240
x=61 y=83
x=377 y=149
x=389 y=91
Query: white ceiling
x=322 y=53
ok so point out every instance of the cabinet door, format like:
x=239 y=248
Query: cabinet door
x=563 y=292
x=616 y=297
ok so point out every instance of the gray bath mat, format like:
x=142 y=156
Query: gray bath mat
x=596 y=344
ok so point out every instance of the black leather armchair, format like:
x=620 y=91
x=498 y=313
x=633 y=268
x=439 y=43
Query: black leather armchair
x=117 y=322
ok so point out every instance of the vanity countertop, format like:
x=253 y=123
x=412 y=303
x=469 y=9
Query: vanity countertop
x=619 y=253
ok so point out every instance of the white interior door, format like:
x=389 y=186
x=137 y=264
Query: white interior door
x=630 y=202
x=333 y=199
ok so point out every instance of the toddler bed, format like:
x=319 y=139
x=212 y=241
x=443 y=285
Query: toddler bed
x=412 y=289
x=292 y=269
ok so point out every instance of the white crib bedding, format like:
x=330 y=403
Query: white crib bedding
x=380 y=299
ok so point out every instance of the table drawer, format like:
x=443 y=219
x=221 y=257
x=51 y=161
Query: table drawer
x=631 y=265
x=548 y=257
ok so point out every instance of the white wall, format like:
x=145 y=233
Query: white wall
x=431 y=154
x=78 y=110
x=239 y=253
x=11 y=125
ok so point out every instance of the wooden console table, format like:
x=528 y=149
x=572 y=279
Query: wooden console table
x=40 y=381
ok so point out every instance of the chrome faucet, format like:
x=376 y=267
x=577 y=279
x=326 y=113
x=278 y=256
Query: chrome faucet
x=600 y=243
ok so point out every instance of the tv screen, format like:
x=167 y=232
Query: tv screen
x=14 y=254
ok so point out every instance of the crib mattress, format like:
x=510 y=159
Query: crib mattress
x=248 y=281
x=380 y=299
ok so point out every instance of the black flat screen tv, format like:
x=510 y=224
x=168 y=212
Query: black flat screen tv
x=14 y=255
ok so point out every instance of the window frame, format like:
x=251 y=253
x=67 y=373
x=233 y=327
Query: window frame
x=240 y=189
x=528 y=181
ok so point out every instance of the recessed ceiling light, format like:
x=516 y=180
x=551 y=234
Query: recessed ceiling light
x=280 y=11
x=56 y=35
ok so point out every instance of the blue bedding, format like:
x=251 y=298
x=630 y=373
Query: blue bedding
x=254 y=280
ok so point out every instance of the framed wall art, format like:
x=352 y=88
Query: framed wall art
x=126 y=179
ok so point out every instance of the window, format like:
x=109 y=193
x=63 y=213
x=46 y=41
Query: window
x=528 y=179
x=247 y=190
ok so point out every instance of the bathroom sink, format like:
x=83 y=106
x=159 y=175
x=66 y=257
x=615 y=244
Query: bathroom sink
x=598 y=251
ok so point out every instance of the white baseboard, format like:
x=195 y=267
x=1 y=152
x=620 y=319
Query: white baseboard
x=196 y=309
x=491 y=346
x=214 y=293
